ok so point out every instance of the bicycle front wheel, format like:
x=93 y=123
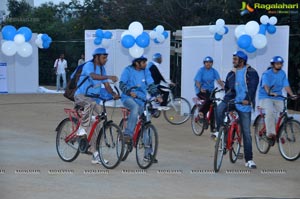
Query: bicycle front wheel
x=179 y=112
x=260 y=135
x=197 y=121
x=289 y=140
x=235 y=146
x=146 y=146
x=67 y=150
x=110 y=145
x=127 y=148
x=219 y=149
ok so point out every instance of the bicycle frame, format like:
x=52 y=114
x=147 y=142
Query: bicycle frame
x=233 y=125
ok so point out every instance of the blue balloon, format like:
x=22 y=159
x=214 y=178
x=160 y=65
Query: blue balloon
x=46 y=45
x=99 y=33
x=9 y=32
x=156 y=41
x=262 y=29
x=44 y=37
x=107 y=35
x=98 y=40
x=271 y=29
x=251 y=49
x=244 y=41
x=143 y=40
x=128 y=41
x=166 y=34
x=226 y=30
x=218 y=37
x=26 y=32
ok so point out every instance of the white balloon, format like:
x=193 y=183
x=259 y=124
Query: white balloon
x=153 y=34
x=160 y=29
x=19 y=39
x=259 y=41
x=220 y=22
x=105 y=43
x=25 y=50
x=239 y=30
x=160 y=38
x=136 y=28
x=39 y=36
x=39 y=43
x=126 y=32
x=212 y=29
x=264 y=19
x=9 y=48
x=136 y=51
x=221 y=30
x=252 y=28
x=273 y=20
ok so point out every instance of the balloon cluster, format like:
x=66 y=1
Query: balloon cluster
x=16 y=41
x=135 y=39
x=158 y=34
x=219 y=29
x=43 y=41
x=102 y=38
x=252 y=36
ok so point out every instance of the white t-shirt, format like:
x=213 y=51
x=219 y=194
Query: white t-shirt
x=61 y=66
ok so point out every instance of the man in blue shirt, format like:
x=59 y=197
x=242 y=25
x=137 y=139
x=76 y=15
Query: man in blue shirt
x=272 y=82
x=205 y=84
x=95 y=70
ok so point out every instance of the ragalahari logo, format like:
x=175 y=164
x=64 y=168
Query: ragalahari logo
x=246 y=8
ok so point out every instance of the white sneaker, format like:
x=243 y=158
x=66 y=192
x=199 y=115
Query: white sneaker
x=81 y=131
x=96 y=158
x=250 y=164
x=215 y=134
x=163 y=108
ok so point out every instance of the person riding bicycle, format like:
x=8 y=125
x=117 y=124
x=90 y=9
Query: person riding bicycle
x=273 y=80
x=96 y=72
x=204 y=85
x=138 y=76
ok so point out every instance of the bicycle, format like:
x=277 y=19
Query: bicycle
x=229 y=138
x=110 y=143
x=199 y=122
x=287 y=133
x=178 y=111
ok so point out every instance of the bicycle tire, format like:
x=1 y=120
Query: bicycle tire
x=126 y=148
x=235 y=146
x=179 y=116
x=261 y=143
x=197 y=123
x=62 y=148
x=110 y=145
x=219 y=149
x=289 y=134
x=147 y=137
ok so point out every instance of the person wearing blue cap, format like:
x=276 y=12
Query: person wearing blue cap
x=273 y=80
x=95 y=70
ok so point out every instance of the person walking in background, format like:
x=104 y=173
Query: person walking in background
x=81 y=60
x=60 y=66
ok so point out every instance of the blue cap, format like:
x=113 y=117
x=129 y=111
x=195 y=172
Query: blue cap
x=141 y=58
x=100 y=51
x=241 y=55
x=156 y=56
x=208 y=59
x=277 y=59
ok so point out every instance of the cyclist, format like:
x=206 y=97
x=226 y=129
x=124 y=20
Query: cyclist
x=272 y=82
x=96 y=72
x=204 y=84
x=136 y=75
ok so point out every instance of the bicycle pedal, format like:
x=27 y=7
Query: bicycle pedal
x=240 y=155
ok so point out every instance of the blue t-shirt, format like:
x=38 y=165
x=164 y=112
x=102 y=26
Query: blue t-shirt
x=241 y=89
x=207 y=78
x=140 y=78
x=276 y=80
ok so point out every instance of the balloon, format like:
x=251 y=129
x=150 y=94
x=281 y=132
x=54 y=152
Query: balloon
x=262 y=29
x=39 y=36
x=156 y=41
x=26 y=32
x=143 y=40
x=153 y=34
x=136 y=51
x=107 y=35
x=220 y=22
x=39 y=43
x=105 y=43
x=271 y=29
x=218 y=37
x=251 y=49
x=126 y=32
x=273 y=20
x=212 y=29
x=25 y=50
x=221 y=31
x=8 y=32
x=252 y=28
x=99 y=33
x=97 y=40
x=160 y=38
x=160 y=29
x=127 y=41
x=19 y=39
x=239 y=30
x=165 y=34
x=244 y=41
x=9 y=48
x=259 y=41
x=46 y=45
x=226 y=29
x=264 y=19
x=136 y=28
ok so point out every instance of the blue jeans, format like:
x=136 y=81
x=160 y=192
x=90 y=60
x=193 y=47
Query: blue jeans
x=245 y=122
x=135 y=111
x=63 y=75
x=221 y=108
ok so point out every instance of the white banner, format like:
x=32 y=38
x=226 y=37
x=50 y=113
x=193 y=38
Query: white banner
x=3 y=78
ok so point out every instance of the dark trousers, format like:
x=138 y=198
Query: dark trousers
x=206 y=106
x=165 y=95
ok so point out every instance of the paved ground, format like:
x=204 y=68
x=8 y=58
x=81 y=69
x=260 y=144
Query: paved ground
x=31 y=168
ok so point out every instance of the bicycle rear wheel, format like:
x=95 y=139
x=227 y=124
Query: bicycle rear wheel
x=289 y=140
x=127 y=149
x=235 y=146
x=262 y=144
x=146 y=146
x=67 y=151
x=179 y=112
x=197 y=121
x=219 y=149
x=110 y=145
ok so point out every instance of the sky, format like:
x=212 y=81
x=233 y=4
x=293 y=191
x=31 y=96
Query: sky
x=39 y=2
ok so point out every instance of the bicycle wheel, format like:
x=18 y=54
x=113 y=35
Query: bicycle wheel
x=127 y=149
x=235 y=146
x=289 y=140
x=262 y=144
x=146 y=146
x=67 y=151
x=179 y=112
x=197 y=122
x=219 y=149
x=110 y=145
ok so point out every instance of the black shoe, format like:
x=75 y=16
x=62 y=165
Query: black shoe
x=271 y=140
x=154 y=161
